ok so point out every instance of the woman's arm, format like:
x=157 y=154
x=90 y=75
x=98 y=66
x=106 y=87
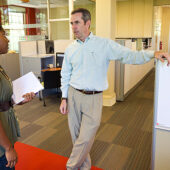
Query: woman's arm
x=10 y=152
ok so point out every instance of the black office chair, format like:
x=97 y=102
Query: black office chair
x=59 y=59
x=51 y=80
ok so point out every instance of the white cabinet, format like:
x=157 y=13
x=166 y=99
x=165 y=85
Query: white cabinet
x=124 y=22
x=134 y=18
x=148 y=18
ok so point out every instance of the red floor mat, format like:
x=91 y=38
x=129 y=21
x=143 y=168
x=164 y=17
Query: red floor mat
x=32 y=158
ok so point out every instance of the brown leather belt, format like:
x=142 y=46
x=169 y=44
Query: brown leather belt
x=89 y=92
x=4 y=106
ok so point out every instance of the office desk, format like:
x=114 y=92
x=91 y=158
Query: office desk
x=50 y=73
x=52 y=69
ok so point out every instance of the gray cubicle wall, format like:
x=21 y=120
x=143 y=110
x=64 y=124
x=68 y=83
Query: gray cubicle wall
x=161 y=124
x=37 y=63
x=129 y=77
x=10 y=63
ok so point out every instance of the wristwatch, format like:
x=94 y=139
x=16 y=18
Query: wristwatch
x=63 y=98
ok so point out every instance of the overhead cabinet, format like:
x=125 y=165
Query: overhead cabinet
x=134 y=18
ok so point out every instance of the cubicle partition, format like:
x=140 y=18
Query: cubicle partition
x=10 y=62
x=37 y=55
x=31 y=60
x=127 y=76
x=61 y=45
x=36 y=63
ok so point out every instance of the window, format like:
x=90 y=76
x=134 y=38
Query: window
x=16 y=29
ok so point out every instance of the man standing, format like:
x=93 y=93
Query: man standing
x=84 y=77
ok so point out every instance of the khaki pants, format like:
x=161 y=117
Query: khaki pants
x=84 y=118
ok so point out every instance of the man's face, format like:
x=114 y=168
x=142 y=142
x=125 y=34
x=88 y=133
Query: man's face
x=3 y=43
x=80 y=29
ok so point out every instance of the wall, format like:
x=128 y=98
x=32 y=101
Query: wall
x=10 y=63
x=134 y=73
x=60 y=30
x=92 y=9
x=165 y=27
x=59 y=12
x=161 y=2
x=134 y=18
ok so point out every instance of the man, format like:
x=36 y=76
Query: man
x=84 y=77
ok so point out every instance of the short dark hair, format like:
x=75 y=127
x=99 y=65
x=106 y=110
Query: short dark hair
x=85 y=14
x=1 y=28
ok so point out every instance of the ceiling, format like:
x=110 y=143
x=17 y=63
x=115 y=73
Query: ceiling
x=43 y=3
x=53 y=3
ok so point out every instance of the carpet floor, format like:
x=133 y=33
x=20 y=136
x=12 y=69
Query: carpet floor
x=33 y=158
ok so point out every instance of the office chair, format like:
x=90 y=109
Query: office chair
x=59 y=59
x=51 y=80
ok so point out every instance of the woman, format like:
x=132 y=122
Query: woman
x=9 y=129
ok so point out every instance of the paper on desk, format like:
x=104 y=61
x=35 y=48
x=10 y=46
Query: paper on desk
x=25 y=84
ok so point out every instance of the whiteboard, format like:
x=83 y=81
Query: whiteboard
x=162 y=95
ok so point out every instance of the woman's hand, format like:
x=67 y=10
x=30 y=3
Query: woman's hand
x=11 y=157
x=27 y=97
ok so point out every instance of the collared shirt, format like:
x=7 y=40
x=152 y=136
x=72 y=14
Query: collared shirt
x=86 y=63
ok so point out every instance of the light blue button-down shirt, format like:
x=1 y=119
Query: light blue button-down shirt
x=86 y=63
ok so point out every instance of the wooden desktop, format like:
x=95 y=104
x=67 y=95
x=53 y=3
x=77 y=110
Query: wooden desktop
x=52 y=69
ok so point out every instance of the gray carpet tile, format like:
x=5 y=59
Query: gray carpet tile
x=112 y=131
x=98 y=151
x=142 y=160
x=59 y=143
x=115 y=157
x=28 y=130
x=123 y=140
x=39 y=136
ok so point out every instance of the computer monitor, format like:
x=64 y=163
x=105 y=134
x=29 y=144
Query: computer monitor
x=59 y=59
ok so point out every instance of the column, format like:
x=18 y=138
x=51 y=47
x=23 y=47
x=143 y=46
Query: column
x=106 y=27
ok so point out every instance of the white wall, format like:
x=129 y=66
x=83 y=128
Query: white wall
x=134 y=73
